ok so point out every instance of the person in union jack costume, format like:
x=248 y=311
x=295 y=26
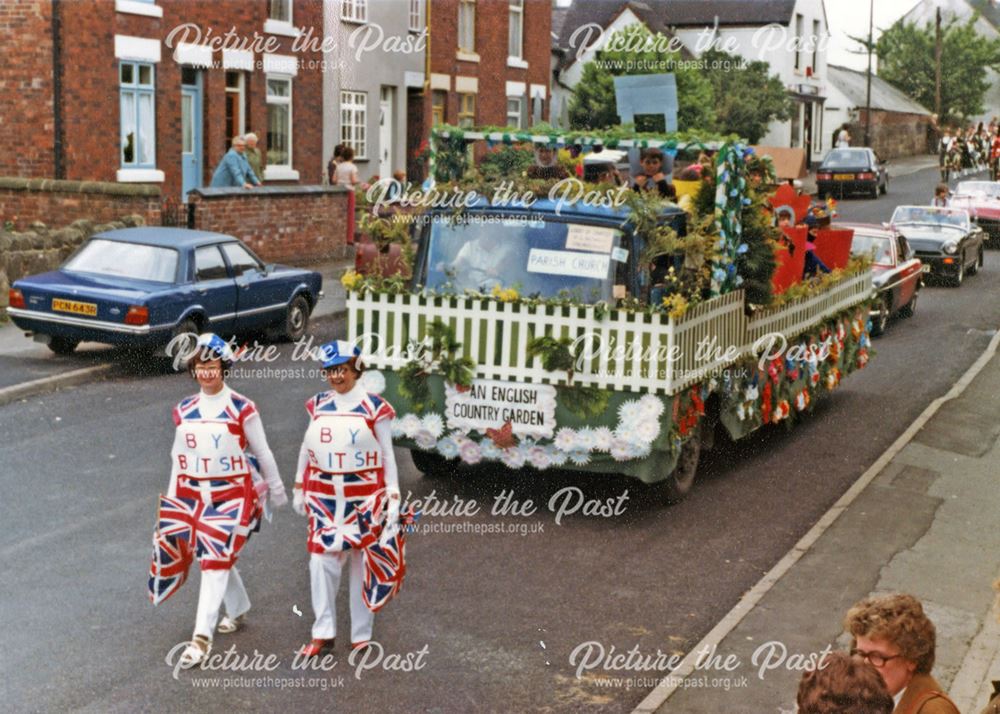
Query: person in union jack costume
x=222 y=472
x=346 y=479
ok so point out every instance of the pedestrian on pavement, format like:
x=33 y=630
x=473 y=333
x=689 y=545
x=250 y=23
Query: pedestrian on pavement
x=346 y=173
x=220 y=460
x=894 y=635
x=843 y=685
x=233 y=170
x=843 y=137
x=652 y=177
x=331 y=167
x=346 y=474
x=253 y=156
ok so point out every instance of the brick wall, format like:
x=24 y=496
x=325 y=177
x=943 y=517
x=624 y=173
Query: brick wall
x=90 y=85
x=26 y=89
x=59 y=203
x=289 y=224
x=893 y=134
x=491 y=46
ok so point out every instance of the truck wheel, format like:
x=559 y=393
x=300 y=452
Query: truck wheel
x=678 y=484
x=432 y=465
x=62 y=345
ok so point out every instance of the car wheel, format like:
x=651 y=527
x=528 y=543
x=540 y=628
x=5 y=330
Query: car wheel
x=678 y=484
x=881 y=321
x=296 y=319
x=188 y=329
x=432 y=465
x=874 y=193
x=911 y=307
x=960 y=276
x=62 y=345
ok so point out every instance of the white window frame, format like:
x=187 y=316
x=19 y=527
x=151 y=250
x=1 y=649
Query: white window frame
x=416 y=16
x=139 y=7
x=241 y=97
x=354 y=10
x=815 y=48
x=274 y=26
x=519 y=117
x=134 y=90
x=469 y=7
x=800 y=24
x=461 y=109
x=288 y=6
x=356 y=104
x=281 y=171
x=515 y=11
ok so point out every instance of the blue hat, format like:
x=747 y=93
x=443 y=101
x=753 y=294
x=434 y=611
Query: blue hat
x=337 y=352
x=213 y=346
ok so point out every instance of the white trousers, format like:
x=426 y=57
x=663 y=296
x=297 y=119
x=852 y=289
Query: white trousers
x=218 y=587
x=324 y=574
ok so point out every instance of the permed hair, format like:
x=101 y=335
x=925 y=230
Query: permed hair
x=898 y=619
x=844 y=685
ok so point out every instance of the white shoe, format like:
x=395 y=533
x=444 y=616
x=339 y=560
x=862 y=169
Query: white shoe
x=196 y=651
x=228 y=625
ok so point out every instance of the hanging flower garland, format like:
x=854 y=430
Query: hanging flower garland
x=730 y=197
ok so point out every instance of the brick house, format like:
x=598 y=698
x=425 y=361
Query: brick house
x=150 y=91
x=489 y=62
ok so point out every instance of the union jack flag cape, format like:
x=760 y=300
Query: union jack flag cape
x=385 y=565
x=188 y=529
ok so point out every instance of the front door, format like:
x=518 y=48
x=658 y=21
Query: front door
x=385 y=134
x=807 y=132
x=191 y=175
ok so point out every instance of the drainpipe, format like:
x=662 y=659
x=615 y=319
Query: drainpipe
x=57 y=120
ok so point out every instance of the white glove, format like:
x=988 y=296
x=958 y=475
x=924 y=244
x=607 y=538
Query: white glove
x=279 y=498
x=299 y=502
x=391 y=525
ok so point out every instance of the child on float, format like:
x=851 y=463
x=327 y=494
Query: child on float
x=346 y=461
x=219 y=434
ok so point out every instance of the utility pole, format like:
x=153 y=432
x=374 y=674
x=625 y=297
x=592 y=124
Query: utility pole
x=868 y=99
x=937 y=64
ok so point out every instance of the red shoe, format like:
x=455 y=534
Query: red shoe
x=315 y=648
x=360 y=645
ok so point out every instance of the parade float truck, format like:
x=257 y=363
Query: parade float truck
x=598 y=335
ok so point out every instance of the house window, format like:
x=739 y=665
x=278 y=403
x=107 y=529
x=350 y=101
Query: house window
x=439 y=107
x=799 y=29
x=467 y=25
x=354 y=122
x=515 y=112
x=138 y=122
x=416 y=25
x=279 y=122
x=354 y=10
x=815 y=47
x=466 y=110
x=280 y=10
x=236 y=117
x=515 y=29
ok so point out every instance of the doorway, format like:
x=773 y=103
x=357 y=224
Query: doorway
x=191 y=130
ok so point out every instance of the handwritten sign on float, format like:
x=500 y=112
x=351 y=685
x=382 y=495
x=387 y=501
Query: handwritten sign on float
x=568 y=262
x=489 y=404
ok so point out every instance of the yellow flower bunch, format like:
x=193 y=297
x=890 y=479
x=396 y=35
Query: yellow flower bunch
x=505 y=294
x=351 y=279
x=676 y=305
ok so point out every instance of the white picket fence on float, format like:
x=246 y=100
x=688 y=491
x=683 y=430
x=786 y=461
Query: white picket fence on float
x=620 y=350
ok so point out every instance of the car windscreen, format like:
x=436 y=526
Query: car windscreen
x=536 y=257
x=844 y=158
x=878 y=247
x=134 y=261
x=978 y=188
x=929 y=216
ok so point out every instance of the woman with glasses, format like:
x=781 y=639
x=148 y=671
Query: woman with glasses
x=221 y=467
x=346 y=466
x=894 y=635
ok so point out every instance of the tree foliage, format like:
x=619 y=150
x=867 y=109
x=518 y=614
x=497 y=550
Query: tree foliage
x=906 y=59
x=593 y=102
x=736 y=98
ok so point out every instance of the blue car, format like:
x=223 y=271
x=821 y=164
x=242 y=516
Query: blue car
x=141 y=287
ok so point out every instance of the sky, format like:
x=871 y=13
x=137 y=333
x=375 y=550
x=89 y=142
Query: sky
x=850 y=17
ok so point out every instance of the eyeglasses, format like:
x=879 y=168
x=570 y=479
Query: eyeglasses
x=875 y=658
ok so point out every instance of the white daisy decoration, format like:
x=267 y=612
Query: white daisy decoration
x=585 y=438
x=620 y=450
x=538 y=457
x=410 y=424
x=470 y=452
x=557 y=457
x=397 y=428
x=646 y=432
x=489 y=450
x=565 y=439
x=434 y=424
x=373 y=381
x=579 y=457
x=425 y=440
x=447 y=447
x=513 y=458
x=603 y=437
x=652 y=405
x=630 y=412
x=638 y=451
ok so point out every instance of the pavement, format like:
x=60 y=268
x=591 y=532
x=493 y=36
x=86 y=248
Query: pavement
x=28 y=367
x=902 y=166
x=921 y=520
